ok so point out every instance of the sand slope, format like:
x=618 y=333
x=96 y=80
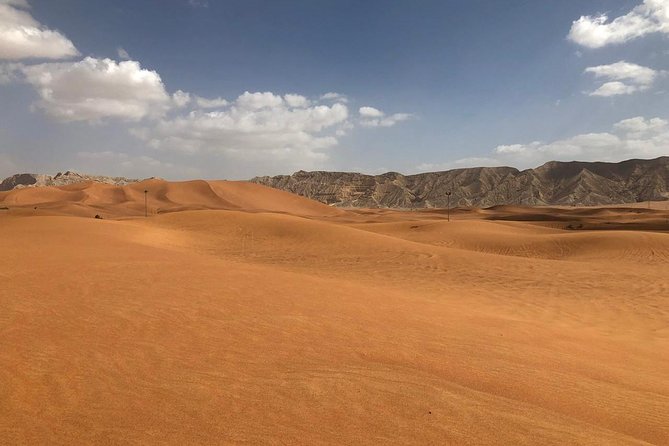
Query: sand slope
x=89 y=199
x=312 y=325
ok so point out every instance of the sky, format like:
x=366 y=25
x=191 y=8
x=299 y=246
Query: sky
x=224 y=89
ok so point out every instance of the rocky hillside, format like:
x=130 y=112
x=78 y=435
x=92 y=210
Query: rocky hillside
x=565 y=183
x=60 y=179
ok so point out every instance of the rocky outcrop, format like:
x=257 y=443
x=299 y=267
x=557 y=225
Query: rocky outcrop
x=556 y=183
x=60 y=179
x=18 y=180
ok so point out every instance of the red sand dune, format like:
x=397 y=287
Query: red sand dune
x=258 y=317
x=87 y=199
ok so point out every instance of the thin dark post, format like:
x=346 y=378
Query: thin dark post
x=146 y=207
x=448 y=206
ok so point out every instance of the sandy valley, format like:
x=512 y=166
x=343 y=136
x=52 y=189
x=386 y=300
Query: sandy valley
x=239 y=314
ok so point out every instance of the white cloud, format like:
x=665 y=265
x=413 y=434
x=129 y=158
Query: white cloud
x=256 y=126
x=636 y=137
x=257 y=101
x=631 y=138
x=516 y=148
x=616 y=88
x=576 y=147
x=22 y=37
x=181 y=99
x=334 y=97
x=638 y=127
x=373 y=117
x=122 y=53
x=16 y=3
x=622 y=78
x=388 y=121
x=210 y=103
x=95 y=89
x=296 y=100
x=624 y=71
x=370 y=112
x=652 y=16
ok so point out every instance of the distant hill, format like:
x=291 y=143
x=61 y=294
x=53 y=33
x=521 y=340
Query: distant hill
x=554 y=183
x=60 y=179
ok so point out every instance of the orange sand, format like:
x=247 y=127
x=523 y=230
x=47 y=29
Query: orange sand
x=257 y=317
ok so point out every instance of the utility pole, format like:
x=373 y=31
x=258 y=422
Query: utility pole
x=448 y=206
x=146 y=202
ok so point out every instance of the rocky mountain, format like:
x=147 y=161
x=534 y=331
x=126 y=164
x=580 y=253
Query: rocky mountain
x=554 y=183
x=60 y=179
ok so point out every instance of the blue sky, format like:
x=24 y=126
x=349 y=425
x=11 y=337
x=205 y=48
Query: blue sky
x=233 y=89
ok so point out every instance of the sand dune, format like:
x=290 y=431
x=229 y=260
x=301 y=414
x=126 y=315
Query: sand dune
x=257 y=317
x=533 y=241
x=88 y=199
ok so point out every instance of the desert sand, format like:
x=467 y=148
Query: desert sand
x=238 y=314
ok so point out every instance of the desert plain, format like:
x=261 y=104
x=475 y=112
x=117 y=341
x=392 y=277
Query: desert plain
x=239 y=314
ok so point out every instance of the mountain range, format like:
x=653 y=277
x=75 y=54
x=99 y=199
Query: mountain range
x=554 y=183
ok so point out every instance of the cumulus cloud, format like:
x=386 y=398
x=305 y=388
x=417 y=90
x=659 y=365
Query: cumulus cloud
x=181 y=99
x=334 y=97
x=373 y=117
x=210 y=103
x=652 y=16
x=616 y=88
x=22 y=37
x=258 y=101
x=590 y=145
x=636 y=137
x=622 y=78
x=257 y=126
x=254 y=126
x=296 y=100
x=370 y=112
x=640 y=126
x=96 y=89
